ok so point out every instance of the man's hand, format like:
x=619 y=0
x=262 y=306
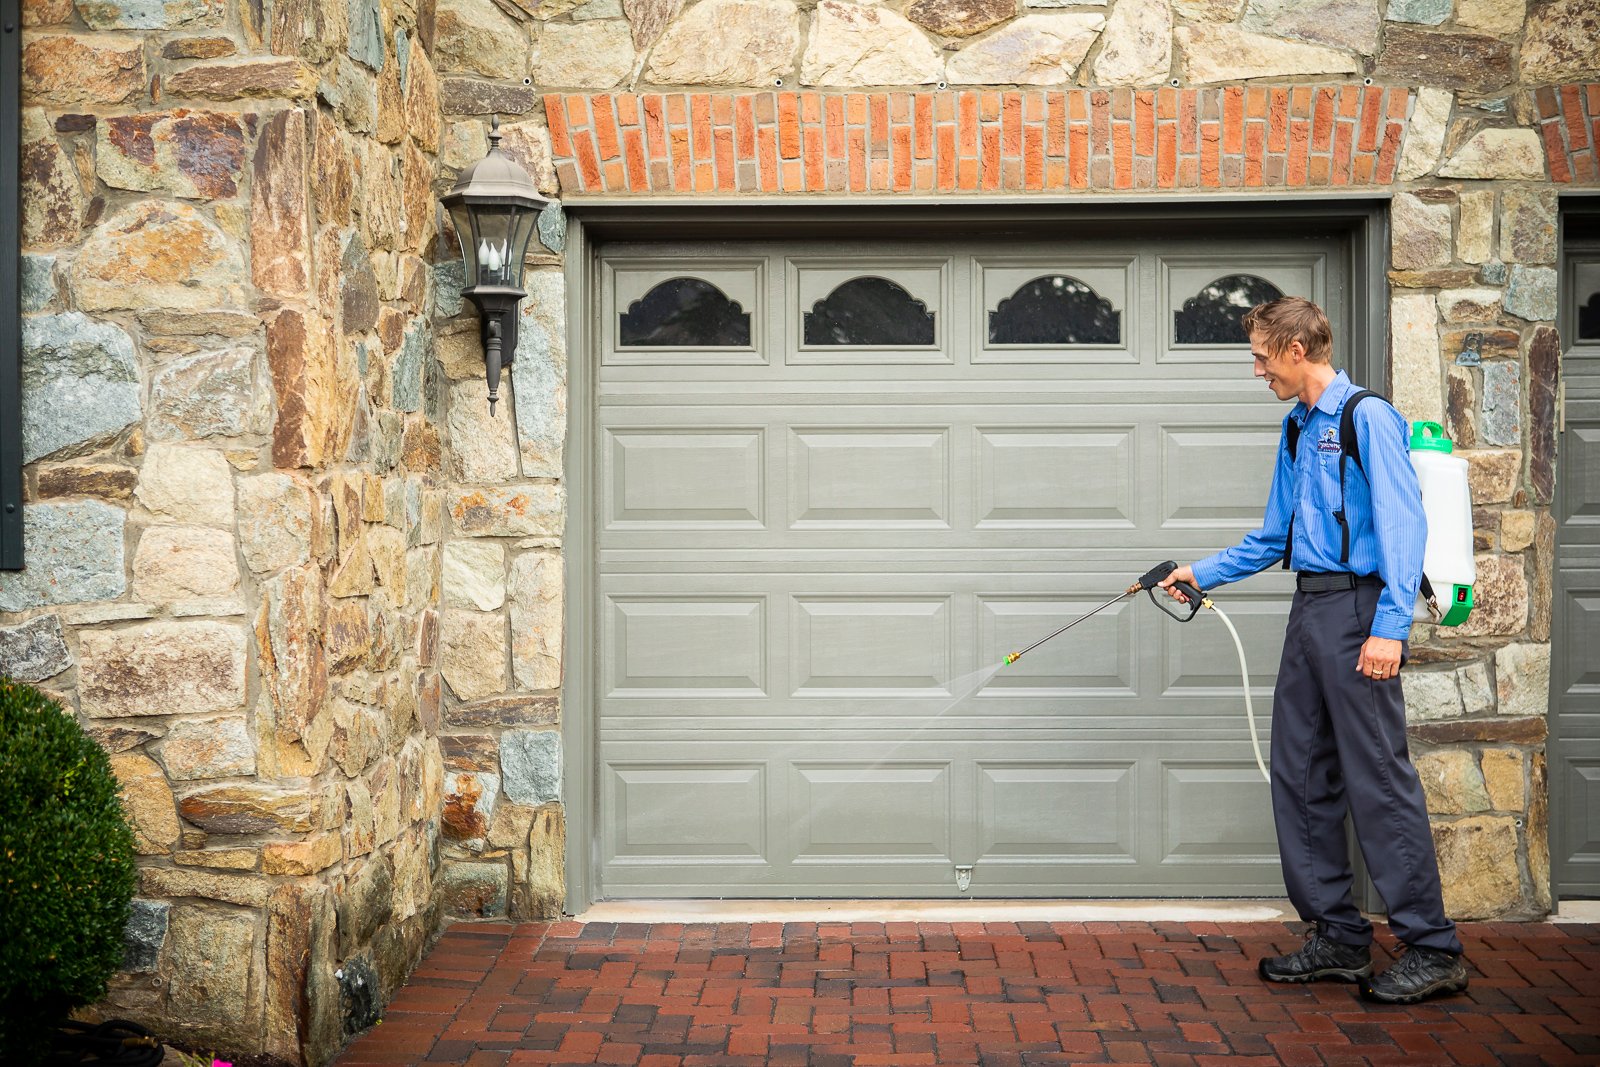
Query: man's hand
x=1380 y=658
x=1182 y=574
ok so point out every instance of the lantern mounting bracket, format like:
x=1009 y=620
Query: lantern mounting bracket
x=494 y=206
x=497 y=328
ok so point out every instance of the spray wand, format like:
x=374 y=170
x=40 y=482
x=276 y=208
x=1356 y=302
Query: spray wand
x=1195 y=599
x=1152 y=578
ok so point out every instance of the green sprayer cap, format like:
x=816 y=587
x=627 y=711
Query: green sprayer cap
x=1429 y=437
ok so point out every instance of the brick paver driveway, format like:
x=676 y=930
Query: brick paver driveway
x=866 y=994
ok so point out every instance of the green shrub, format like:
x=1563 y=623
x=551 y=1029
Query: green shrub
x=66 y=869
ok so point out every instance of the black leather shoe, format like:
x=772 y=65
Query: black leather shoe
x=1319 y=960
x=1419 y=974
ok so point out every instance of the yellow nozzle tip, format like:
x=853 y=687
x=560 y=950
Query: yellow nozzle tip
x=1011 y=657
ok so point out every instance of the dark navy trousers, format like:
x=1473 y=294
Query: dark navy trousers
x=1339 y=744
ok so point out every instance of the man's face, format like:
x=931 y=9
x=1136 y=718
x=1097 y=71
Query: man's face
x=1284 y=372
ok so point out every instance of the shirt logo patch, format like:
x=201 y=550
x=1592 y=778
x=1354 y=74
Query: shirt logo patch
x=1329 y=442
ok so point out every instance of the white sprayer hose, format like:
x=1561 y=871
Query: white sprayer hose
x=1244 y=676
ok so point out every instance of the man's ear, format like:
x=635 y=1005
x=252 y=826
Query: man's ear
x=1296 y=351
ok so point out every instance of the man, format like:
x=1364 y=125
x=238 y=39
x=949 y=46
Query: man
x=1339 y=718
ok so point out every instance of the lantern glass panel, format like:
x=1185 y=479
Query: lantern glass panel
x=499 y=236
x=461 y=217
x=527 y=220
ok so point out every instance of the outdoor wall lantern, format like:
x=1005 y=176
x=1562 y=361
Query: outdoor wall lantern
x=495 y=206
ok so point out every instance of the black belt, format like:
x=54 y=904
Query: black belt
x=1332 y=581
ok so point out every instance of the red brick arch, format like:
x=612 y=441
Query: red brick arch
x=1300 y=136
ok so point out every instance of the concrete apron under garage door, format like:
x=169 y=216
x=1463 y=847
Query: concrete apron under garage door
x=835 y=478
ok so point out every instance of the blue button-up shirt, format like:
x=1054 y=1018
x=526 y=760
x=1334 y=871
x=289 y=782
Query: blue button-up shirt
x=1388 y=530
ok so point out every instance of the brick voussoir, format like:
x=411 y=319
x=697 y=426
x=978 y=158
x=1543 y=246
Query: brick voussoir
x=980 y=140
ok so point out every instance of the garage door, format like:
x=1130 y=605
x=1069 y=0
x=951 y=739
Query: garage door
x=836 y=479
x=1575 y=617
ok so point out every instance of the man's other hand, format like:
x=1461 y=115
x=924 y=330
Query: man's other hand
x=1181 y=574
x=1380 y=658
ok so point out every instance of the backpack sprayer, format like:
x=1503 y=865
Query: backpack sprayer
x=1196 y=600
x=1448 y=568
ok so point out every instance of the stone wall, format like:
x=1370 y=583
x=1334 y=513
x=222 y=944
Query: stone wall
x=235 y=493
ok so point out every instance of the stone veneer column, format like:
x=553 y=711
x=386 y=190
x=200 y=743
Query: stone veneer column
x=1474 y=274
x=501 y=634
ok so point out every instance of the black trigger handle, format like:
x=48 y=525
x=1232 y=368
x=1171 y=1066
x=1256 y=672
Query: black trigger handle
x=1156 y=575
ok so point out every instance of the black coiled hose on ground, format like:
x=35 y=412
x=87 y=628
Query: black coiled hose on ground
x=113 y=1043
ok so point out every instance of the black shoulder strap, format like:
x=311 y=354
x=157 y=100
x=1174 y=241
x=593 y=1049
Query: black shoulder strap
x=1291 y=441
x=1349 y=446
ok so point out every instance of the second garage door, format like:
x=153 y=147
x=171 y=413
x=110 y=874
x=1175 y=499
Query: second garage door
x=838 y=479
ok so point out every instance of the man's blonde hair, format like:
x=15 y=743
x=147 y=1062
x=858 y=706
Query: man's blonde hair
x=1292 y=318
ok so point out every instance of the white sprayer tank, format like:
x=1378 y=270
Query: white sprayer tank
x=1447 y=502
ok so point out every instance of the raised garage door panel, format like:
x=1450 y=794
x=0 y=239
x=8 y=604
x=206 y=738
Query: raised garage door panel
x=839 y=481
